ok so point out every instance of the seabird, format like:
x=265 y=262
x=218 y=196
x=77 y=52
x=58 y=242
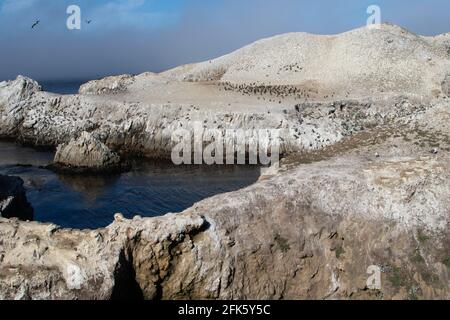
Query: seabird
x=35 y=24
x=88 y=21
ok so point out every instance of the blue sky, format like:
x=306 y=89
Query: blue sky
x=132 y=36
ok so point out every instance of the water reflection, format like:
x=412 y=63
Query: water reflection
x=149 y=189
x=90 y=187
x=13 y=154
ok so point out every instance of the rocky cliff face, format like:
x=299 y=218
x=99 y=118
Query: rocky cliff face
x=366 y=180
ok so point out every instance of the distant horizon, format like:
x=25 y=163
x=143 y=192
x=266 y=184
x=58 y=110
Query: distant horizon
x=136 y=36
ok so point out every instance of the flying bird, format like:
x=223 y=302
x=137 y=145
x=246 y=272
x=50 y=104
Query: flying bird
x=88 y=21
x=35 y=24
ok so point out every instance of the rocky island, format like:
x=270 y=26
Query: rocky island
x=364 y=180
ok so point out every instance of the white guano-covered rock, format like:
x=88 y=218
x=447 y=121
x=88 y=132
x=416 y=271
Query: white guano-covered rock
x=17 y=90
x=86 y=152
x=113 y=84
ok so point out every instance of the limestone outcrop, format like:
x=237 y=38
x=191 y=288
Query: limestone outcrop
x=19 y=90
x=15 y=96
x=109 y=85
x=86 y=154
x=13 y=200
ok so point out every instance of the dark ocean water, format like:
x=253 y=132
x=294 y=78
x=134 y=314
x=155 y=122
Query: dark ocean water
x=149 y=189
x=62 y=87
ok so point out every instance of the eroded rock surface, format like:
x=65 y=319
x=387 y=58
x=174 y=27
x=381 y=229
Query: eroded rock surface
x=107 y=85
x=42 y=261
x=86 y=154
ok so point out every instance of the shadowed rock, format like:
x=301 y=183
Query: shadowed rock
x=86 y=154
x=13 y=201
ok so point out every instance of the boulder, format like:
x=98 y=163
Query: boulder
x=86 y=153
